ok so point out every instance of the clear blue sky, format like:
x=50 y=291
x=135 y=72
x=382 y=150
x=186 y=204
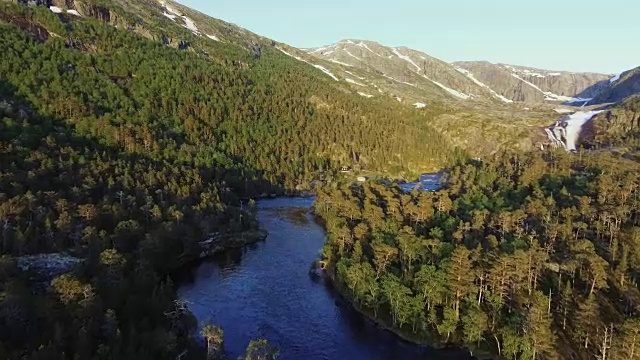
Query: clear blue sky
x=574 y=35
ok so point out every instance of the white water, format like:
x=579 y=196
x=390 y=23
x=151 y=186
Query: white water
x=567 y=131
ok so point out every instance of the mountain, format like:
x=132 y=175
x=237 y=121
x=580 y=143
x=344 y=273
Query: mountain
x=617 y=126
x=527 y=84
x=414 y=77
x=268 y=88
x=620 y=87
x=409 y=75
x=133 y=132
x=130 y=134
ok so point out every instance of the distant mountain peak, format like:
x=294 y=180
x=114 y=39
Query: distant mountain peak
x=529 y=84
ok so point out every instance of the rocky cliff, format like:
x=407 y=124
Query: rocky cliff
x=620 y=87
x=473 y=80
x=407 y=73
x=527 y=84
x=614 y=126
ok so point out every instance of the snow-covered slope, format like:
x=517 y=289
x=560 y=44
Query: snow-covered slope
x=466 y=81
x=320 y=67
x=406 y=73
x=525 y=84
x=470 y=76
x=620 y=86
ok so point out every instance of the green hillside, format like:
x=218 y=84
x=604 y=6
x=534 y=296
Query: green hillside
x=520 y=257
x=126 y=139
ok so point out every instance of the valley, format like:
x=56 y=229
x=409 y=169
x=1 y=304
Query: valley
x=153 y=161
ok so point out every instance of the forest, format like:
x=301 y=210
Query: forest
x=127 y=153
x=523 y=256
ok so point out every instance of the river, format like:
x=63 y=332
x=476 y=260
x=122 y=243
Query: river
x=265 y=291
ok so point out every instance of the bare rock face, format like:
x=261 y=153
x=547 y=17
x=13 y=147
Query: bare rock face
x=526 y=84
x=38 y=32
x=64 y=4
x=464 y=80
x=91 y=10
x=613 y=126
x=48 y=266
x=501 y=81
x=620 y=87
x=403 y=66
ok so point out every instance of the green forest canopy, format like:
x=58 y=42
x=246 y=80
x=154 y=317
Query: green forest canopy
x=528 y=256
x=127 y=153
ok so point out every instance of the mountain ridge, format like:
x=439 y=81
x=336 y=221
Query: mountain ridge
x=485 y=80
x=405 y=68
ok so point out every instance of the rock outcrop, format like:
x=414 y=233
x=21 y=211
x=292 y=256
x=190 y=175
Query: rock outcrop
x=217 y=242
x=620 y=87
x=48 y=266
x=613 y=126
x=38 y=32
x=527 y=84
x=405 y=73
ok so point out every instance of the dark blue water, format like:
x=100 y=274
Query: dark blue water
x=427 y=182
x=265 y=291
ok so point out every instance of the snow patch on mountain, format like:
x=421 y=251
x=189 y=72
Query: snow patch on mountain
x=351 y=81
x=353 y=56
x=354 y=75
x=363 y=45
x=189 y=24
x=319 y=49
x=615 y=78
x=213 y=37
x=419 y=105
x=365 y=95
x=170 y=8
x=170 y=16
x=455 y=93
x=406 y=58
x=340 y=62
x=55 y=9
x=527 y=72
x=549 y=95
x=418 y=69
x=579 y=100
x=73 y=12
x=401 y=82
x=326 y=71
x=320 y=67
x=468 y=74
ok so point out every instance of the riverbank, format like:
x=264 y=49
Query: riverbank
x=265 y=291
x=422 y=338
x=217 y=243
